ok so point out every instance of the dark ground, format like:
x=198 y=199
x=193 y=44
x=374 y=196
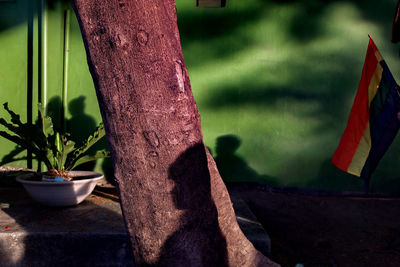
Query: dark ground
x=318 y=229
x=321 y=229
x=327 y=230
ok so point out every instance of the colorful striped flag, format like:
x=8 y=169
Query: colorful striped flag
x=374 y=118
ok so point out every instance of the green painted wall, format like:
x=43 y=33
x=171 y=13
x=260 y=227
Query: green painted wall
x=274 y=80
x=14 y=18
x=43 y=60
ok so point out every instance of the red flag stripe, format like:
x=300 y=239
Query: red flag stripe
x=359 y=115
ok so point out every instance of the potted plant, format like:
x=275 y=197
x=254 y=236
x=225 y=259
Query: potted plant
x=60 y=185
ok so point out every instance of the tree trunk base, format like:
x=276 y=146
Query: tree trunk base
x=175 y=206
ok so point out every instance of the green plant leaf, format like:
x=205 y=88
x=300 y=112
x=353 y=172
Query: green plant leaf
x=47 y=123
x=88 y=158
x=68 y=147
x=49 y=146
x=98 y=133
x=50 y=159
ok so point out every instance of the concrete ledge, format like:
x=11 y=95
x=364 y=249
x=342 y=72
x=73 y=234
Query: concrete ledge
x=90 y=234
x=65 y=249
x=251 y=227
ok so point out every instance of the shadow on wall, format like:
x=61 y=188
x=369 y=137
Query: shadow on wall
x=13 y=156
x=234 y=168
x=316 y=84
x=210 y=36
x=331 y=177
x=192 y=193
x=80 y=126
x=219 y=33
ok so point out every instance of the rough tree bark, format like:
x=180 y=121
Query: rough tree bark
x=175 y=205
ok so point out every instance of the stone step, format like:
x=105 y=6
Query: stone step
x=90 y=234
x=249 y=225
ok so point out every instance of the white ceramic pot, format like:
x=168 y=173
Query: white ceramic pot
x=61 y=194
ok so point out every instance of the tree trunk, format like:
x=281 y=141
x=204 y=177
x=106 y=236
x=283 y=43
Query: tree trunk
x=176 y=208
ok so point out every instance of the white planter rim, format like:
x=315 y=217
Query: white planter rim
x=89 y=175
x=61 y=194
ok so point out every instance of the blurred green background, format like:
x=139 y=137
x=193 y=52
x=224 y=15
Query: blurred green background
x=274 y=80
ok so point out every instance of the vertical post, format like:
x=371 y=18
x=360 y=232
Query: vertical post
x=42 y=57
x=67 y=16
x=29 y=99
x=43 y=22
